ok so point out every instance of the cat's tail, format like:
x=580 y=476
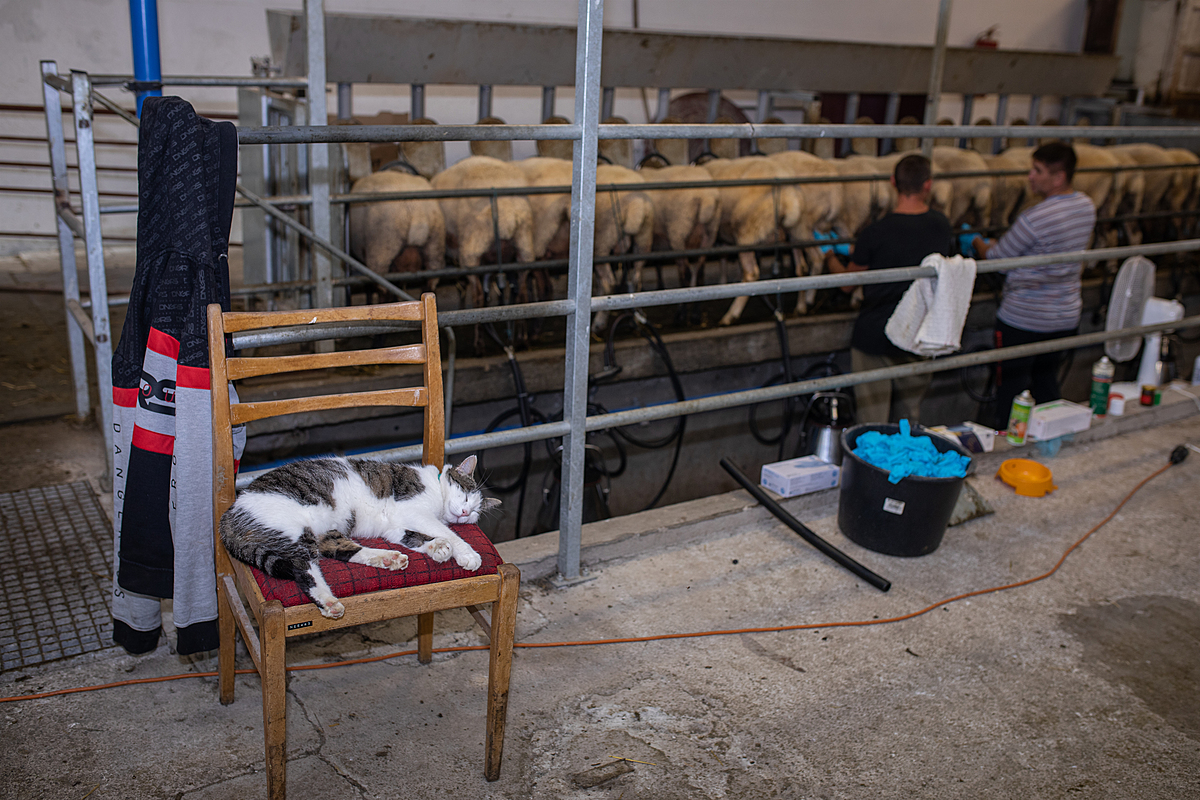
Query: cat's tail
x=268 y=550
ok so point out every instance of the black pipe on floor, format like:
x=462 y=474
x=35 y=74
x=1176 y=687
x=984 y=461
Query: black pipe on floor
x=880 y=583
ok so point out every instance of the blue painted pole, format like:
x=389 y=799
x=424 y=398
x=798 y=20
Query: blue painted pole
x=143 y=22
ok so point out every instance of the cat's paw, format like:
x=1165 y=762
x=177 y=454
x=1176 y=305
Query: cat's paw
x=439 y=549
x=333 y=609
x=469 y=560
x=382 y=559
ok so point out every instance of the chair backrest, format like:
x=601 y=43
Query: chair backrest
x=222 y=370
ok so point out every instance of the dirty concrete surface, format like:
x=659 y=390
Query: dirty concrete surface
x=1084 y=684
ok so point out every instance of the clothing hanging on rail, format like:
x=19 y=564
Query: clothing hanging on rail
x=162 y=428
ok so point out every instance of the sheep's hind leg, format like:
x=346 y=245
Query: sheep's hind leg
x=749 y=266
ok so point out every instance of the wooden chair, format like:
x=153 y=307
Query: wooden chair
x=278 y=619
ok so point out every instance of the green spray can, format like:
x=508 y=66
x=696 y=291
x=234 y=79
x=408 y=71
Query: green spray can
x=1018 y=418
x=1102 y=378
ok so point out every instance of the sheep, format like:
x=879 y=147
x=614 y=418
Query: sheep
x=864 y=145
x=770 y=146
x=821 y=207
x=823 y=147
x=984 y=145
x=752 y=215
x=472 y=222
x=551 y=212
x=1183 y=192
x=500 y=150
x=675 y=151
x=556 y=148
x=1007 y=190
x=728 y=149
x=407 y=234
x=684 y=219
x=616 y=151
x=428 y=158
x=905 y=143
x=967 y=195
x=624 y=223
x=945 y=142
x=1017 y=141
x=865 y=201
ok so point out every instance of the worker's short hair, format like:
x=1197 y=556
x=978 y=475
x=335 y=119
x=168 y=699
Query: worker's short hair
x=911 y=173
x=1058 y=156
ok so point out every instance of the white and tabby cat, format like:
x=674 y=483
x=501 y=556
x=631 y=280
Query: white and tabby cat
x=286 y=519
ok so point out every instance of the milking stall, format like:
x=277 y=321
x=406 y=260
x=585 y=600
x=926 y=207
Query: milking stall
x=574 y=399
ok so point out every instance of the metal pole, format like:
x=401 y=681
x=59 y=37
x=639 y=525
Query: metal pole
x=1035 y=107
x=714 y=105
x=664 y=105
x=607 y=101
x=764 y=107
x=318 y=163
x=933 y=97
x=66 y=238
x=850 y=116
x=588 y=37
x=416 y=106
x=967 y=112
x=547 y=102
x=1001 y=119
x=345 y=100
x=890 y=115
x=485 y=101
x=85 y=150
x=143 y=24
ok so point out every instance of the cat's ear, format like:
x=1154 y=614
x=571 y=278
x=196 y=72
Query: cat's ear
x=488 y=503
x=467 y=466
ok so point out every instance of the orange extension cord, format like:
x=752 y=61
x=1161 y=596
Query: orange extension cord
x=807 y=626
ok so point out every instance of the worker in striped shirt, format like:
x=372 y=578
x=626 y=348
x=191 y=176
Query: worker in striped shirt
x=1041 y=303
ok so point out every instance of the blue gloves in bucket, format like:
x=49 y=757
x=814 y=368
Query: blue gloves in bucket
x=903 y=454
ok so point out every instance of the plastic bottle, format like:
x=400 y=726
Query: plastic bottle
x=1018 y=418
x=1102 y=378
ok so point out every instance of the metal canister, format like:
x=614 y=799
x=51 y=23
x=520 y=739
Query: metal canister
x=1148 y=390
x=1018 y=418
x=1102 y=378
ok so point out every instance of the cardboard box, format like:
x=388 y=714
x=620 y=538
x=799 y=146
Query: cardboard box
x=799 y=476
x=974 y=437
x=1057 y=418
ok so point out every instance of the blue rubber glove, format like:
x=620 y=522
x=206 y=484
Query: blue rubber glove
x=966 y=243
x=840 y=249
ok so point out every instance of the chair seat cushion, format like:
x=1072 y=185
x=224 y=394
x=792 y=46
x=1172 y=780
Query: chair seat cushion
x=347 y=580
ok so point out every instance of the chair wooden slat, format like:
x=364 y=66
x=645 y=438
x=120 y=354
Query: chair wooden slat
x=248 y=412
x=254 y=367
x=250 y=320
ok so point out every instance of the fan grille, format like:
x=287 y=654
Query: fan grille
x=1133 y=287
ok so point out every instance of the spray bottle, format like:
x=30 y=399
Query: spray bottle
x=1102 y=378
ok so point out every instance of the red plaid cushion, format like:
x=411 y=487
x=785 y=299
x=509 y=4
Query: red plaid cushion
x=350 y=579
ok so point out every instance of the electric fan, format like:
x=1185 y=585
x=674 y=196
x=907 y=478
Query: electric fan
x=1133 y=303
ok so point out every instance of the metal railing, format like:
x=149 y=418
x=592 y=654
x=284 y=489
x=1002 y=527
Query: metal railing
x=579 y=303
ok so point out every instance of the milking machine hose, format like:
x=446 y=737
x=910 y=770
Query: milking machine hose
x=880 y=583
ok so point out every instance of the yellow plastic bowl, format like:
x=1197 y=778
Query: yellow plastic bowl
x=1029 y=478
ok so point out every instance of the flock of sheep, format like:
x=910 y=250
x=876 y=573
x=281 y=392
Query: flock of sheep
x=409 y=235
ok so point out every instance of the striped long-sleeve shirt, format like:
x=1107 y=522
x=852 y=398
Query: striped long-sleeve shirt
x=1046 y=298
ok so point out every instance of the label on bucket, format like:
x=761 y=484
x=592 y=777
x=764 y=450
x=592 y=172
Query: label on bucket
x=893 y=506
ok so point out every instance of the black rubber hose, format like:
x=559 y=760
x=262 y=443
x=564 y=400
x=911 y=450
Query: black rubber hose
x=880 y=583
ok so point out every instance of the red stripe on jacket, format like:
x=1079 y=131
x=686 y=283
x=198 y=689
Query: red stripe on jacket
x=125 y=398
x=191 y=378
x=163 y=343
x=153 y=442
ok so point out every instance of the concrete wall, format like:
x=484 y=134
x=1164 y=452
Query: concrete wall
x=218 y=37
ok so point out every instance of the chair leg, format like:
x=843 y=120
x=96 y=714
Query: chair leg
x=425 y=637
x=504 y=620
x=226 y=644
x=274 y=689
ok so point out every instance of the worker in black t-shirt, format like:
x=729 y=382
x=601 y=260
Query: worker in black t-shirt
x=901 y=239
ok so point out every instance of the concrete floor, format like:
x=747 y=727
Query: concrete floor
x=1086 y=684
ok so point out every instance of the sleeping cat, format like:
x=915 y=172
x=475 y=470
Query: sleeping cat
x=288 y=518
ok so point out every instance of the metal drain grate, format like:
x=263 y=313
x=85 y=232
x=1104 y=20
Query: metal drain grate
x=56 y=571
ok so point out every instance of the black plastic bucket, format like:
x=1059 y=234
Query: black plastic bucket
x=899 y=519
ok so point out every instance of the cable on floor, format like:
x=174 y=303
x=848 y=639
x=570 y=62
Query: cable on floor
x=1177 y=456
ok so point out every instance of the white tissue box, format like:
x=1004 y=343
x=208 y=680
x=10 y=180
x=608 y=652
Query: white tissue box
x=798 y=476
x=974 y=437
x=1057 y=418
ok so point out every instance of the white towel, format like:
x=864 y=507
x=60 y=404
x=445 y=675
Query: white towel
x=929 y=318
